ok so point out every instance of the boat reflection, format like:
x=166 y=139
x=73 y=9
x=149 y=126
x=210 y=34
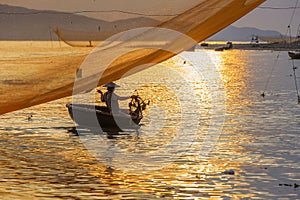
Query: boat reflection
x=113 y=135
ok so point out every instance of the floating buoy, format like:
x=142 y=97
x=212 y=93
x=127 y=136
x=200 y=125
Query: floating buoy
x=295 y=185
x=229 y=172
x=29 y=118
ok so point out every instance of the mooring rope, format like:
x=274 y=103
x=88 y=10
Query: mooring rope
x=279 y=52
x=295 y=79
x=270 y=75
x=292 y=60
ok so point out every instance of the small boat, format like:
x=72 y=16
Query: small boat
x=294 y=54
x=204 y=44
x=220 y=49
x=84 y=115
x=228 y=46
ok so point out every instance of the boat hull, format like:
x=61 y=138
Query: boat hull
x=84 y=115
x=294 y=55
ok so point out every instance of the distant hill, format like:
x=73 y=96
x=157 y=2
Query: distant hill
x=232 y=33
x=18 y=23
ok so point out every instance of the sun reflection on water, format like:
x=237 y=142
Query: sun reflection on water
x=42 y=158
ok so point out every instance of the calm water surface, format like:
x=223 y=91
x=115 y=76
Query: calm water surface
x=43 y=158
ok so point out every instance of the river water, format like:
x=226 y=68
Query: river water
x=206 y=118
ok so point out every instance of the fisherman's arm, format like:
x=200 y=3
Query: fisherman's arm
x=123 y=98
x=101 y=95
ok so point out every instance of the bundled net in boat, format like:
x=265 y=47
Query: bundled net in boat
x=96 y=32
x=41 y=74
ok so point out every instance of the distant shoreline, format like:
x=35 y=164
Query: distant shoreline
x=249 y=46
x=239 y=45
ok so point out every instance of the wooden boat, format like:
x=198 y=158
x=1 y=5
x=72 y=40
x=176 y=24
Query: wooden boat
x=204 y=44
x=228 y=46
x=84 y=115
x=219 y=49
x=294 y=54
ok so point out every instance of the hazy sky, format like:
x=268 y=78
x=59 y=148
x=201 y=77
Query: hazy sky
x=272 y=19
x=267 y=19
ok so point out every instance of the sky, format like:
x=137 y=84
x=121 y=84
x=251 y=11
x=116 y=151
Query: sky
x=272 y=19
x=262 y=17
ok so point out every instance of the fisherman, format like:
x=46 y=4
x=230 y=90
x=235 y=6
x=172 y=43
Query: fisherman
x=110 y=98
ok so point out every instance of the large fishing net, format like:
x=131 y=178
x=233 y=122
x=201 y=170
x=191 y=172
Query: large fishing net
x=34 y=73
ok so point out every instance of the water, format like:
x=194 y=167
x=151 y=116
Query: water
x=178 y=152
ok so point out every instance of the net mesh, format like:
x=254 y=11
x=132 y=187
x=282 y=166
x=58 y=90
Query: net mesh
x=32 y=75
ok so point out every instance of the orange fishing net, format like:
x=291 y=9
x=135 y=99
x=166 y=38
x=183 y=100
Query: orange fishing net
x=32 y=74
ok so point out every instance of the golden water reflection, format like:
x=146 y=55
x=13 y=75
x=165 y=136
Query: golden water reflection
x=41 y=159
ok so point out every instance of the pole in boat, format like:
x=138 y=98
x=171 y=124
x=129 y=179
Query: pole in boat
x=51 y=39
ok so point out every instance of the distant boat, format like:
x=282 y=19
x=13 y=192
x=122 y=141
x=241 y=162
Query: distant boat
x=204 y=44
x=228 y=46
x=81 y=38
x=294 y=54
x=219 y=49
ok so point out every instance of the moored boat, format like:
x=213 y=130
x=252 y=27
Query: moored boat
x=228 y=46
x=294 y=54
